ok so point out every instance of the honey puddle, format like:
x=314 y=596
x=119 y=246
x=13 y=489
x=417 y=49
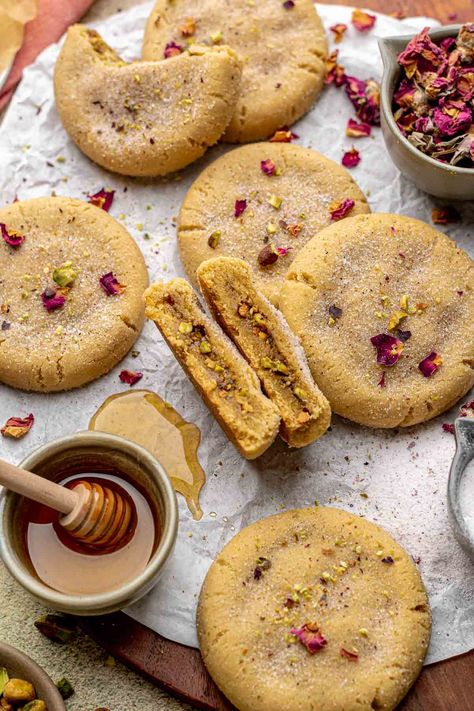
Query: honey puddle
x=143 y=417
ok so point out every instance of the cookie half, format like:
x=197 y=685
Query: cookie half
x=71 y=293
x=282 y=46
x=384 y=308
x=225 y=381
x=263 y=337
x=263 y=203
x=143 y=118
x=313 y=609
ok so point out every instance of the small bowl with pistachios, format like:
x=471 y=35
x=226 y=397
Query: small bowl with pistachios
x=24 y=686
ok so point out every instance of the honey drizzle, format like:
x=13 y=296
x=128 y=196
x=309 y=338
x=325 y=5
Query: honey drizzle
x=143 y=417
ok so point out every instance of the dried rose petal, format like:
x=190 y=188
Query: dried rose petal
x=103 y=199
x=365 y=98
x=6 y=325
x=283 y=135
x=351 y=158
x=17 y=427
x=381 y=382
x=452 y=119
x=430 y=364
x=448 y=427
x=239 y=207
x=310 y=637
x=52 y=299
x=362 y=21
x=358 y=130
x=110 y=284
x=444 y=215
x=268 y=167
x=339 y=30
x=172 y=50
x=335 y=311
x=421 y=55
x=288 y=4
x=283 y=251
x=130 y=377
x=340 y=209
x=467 y=410
x=388 y=560
x=404 y=336
x=335 y=73
x=388 y=348
x=13 y=238
x=352 y=656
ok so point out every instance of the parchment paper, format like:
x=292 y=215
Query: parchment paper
x=404 y=472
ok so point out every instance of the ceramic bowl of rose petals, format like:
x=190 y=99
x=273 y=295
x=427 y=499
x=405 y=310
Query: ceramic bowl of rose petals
x=427 y=101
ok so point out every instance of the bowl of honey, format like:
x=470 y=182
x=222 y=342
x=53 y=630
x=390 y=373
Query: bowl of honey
x=70 y=574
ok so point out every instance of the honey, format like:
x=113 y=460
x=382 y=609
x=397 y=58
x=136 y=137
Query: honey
x=72 y=567
x=143 y=417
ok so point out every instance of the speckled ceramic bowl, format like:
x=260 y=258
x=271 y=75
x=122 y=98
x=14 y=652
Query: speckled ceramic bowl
x=20 y=666
x=74 y=451
x=445 y=181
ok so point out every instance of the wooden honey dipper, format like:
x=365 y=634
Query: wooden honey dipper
x=92 y=514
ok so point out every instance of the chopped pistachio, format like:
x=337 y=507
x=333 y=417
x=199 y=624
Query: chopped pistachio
x=65 y=688
x=281 y=367
x=363 y=632
x=271 y=228
x=18 y=691
x=64 y=276
x=214 y=239
x=36 y=705
x=205 y=347
x=275 y=201
x=299 y=392
x=216 y=37
x=404 y=302
x=185 y=327
x=259 y=319
x=3 y=679
x=266 y=363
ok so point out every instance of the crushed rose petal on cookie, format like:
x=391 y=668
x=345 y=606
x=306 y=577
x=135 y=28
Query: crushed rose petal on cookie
x=388 y=560
x=335 y=72
x=364 y=94
x=351 y=655
x=283 y=251
x=283 y=135
x=444 y=215
x=351 y=158
x=358 y=130
x=467 y=410
x=289 y=4
x=239 y=207
x=52 y=299
x=110 y=284
x=172 y=49
x=335 y=311
x=403 y=335
x=340 y=209
x=381 y=382
x=310 y=637
x=388 y=348
x=433 y=102
x=268 y=167
x=11 y=237
x=430 y=364
x=17 y=427
x=103 y=199
x=130 y=377
x=338 y=30
x=362 y=21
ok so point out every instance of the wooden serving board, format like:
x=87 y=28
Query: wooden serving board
x=446 y=686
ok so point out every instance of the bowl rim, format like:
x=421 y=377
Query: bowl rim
x=97 y=602
x=33 y=673
x=386 y=97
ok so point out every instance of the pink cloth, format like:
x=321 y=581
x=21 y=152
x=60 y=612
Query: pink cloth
x=54 y=17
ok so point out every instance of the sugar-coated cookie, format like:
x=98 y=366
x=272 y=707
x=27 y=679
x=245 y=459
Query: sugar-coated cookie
x=71 y=293
x=225 y=381
x=282 y=46
x=384 y=308
x=263 y=337
x=263 y=203
x=143 y=118
x=313 y=609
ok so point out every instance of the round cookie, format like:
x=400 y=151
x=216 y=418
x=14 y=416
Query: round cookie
x=313 y=609
x=285 y=208
x=384 y=308
x=282 y=45
x=143 y=118
x=71 y=293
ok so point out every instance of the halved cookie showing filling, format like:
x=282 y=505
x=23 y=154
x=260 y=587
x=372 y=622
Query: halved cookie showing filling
x=262 y=335
x=225 y=381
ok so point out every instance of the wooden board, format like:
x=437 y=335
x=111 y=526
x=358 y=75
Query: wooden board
x=447 y=686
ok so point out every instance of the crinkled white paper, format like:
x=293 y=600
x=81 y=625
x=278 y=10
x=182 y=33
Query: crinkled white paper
x=404 y=473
